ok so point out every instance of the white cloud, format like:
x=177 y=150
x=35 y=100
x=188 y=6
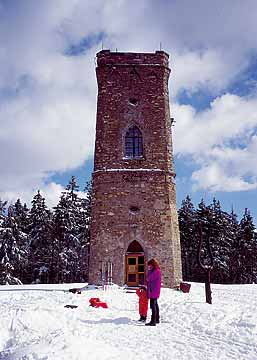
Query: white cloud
x=48 y=99
x=230 y=118
x=215 y=177
x=222 y=142
x=50 y=191
x=195 y=70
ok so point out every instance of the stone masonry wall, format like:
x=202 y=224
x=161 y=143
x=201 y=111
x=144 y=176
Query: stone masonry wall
x=133 y=90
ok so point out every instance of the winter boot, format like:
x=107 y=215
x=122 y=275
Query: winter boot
x=152 y=322
x=142 y=318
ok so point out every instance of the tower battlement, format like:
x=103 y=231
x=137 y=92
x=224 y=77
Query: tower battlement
x=107 y=57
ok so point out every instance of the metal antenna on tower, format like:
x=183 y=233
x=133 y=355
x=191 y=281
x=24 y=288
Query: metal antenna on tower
x=160 y=46
x=102 y=45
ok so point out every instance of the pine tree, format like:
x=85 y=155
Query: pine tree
x=84 y=233
x=65 y=242
x=186 y=216
x=233 y=244
x=203 y=222
x=2 y=210
x=71 y=233
x=247 y=250
x=67 y=234
x=72 y=189
x=13 y=250
x=73 y=204
x=233 y=230
x=221 y=242
x=21 y=214
x=40 y=232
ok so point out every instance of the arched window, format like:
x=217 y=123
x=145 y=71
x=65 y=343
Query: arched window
x=133 y=143
x=135 y=247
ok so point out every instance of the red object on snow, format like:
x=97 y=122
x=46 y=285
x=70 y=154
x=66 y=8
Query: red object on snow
x=93 y=300
x=96 y=302
x=143 y=301
x=101 y=304
x=185 y=287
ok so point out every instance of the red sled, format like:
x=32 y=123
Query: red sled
x=101 y=304
x=185 y=287
x=96 y=302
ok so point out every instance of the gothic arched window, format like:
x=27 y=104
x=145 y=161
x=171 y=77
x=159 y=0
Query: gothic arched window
x=135 y=247
x=133 y=143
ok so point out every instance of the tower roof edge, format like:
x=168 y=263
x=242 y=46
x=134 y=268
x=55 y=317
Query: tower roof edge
x=107 y=57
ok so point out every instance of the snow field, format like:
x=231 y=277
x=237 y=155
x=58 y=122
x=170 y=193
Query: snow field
x=34 y=325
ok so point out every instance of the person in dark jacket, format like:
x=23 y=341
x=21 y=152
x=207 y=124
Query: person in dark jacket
x=153 y=290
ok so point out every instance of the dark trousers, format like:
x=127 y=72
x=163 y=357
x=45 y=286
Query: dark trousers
x=155 y=318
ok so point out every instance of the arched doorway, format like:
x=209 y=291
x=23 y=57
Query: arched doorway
x=135 y=264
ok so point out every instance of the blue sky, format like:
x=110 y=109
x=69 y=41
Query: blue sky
x=48 y=91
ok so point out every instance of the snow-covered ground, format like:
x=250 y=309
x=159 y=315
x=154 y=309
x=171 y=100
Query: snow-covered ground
x=34 y=324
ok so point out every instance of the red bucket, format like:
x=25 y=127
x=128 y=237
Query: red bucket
x=185 y=287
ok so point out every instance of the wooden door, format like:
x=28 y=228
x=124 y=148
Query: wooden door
x=135 y=269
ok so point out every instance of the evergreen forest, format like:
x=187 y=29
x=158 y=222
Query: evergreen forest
x=42 y=245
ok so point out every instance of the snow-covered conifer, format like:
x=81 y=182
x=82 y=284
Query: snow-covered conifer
x=40 y=237
x=13 y=250
x=186 y=216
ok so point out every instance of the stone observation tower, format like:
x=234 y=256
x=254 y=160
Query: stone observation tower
x=134 y=215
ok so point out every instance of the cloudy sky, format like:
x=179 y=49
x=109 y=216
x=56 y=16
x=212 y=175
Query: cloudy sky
x=48 y=91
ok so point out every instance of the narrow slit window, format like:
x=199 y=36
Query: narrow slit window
x=133 y=143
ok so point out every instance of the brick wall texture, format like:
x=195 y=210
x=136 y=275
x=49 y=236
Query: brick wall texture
x=133 y=91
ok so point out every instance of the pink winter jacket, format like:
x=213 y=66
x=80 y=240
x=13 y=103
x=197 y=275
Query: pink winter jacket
x=154 y=278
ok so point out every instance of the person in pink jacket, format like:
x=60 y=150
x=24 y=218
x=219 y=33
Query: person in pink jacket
x=154 y=277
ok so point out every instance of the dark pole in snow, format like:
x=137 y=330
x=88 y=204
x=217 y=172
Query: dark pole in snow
x=207 y=268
